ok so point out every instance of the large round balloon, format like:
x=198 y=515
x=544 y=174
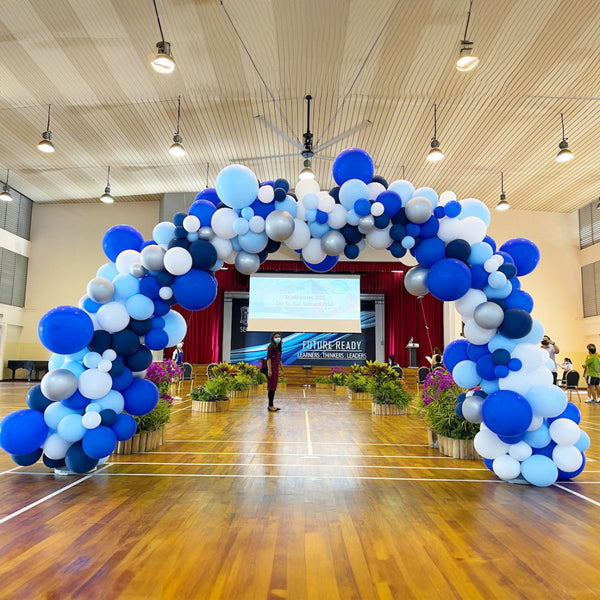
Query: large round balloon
x=119 y=238
x=507 y=413
x=195 y=290
x=353 y=163
x=65 y=329
x=22 y=431
x=524 y=253
x=140 y=397
x=449 y=279
x=237 y=186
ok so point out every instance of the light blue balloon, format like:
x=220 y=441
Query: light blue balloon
x=351 y=191
x=498 y=293
x=56 y=361
x=163 y=232
x=480 y=252
x=108 y=271
x=253 y=242
x=175 y=326
x=429 y=193
x=113 y=400
x=71 y=428
x=311 y=215
x=465 y=374
x=352 y=218
x=310 y=201
x=247 y=212
x=318 y=230
x=534 y=336
x=241 y=226
x=139 y=307
x=93 y=407
x=538 y=438
x=497 y=280
x=539 y=470
x=77 y=355
x=489 y=387
x=471 y=207
x=547 y=400
x=55 y=412
x=499 y=342
x=408 y=242
x=218 y=265
x=583 y=443
x=235 y=244
x=74 y=366
x=289 y=205
x=125 y=286
x=194 y=236
x=404 y=189
x=92 y=359
x=236 y=186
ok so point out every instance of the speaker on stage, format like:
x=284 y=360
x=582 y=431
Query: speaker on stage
x=412 y=353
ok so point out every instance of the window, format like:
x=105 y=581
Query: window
x=589 y=225
x=13 y=277
x=15 y=216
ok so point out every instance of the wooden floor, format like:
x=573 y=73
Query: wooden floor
x=321 y=500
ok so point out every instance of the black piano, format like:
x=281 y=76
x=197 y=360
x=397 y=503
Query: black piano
x=37 y=366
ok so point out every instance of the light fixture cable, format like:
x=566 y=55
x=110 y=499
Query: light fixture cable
x=177 y=148
x=5 y=194
x=503 y=204
x=468 y=61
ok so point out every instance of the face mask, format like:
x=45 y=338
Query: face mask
x=277 y=340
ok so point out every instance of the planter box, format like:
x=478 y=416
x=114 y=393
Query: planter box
x=281 y=386
x=341 y=390
x=461 y=449
x=201 y=406
x=360 y=396
x=238 y=394
x=144 y=441
x=324 y=386
x=387 y=409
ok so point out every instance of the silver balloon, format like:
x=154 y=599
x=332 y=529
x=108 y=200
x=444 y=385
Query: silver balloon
x=415 y=281
x=206 y=233
x=471 y=409
x=153 y=258
x=279 y=225
x=418 y=210
x=366 y=223
x=138 y=270
x=333 y=243
x=100 y=290
x=59 y=384
x=488 y=315
x=247 y=263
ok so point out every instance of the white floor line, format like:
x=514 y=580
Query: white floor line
x=373 y=456
x=308 y=442
x=576 y=494
x=49 y=496
x=204 y=441
x=11 y=470
x=180 y=409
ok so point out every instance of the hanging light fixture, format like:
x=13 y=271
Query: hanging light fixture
x=163 y=61
x=503 y=204
x=435 y=153
x=307 y=153
x=177 y=148
x=564 y=154
x=5 y=194
x=307 y=172
x=107 y=197
x=467 y=61
x=46 y=144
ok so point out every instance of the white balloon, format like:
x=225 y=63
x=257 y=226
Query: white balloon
x=379 y=238
x=94 y=384
x=469 y=302
x=326 y=202
x=127 y=258
x=104 y=365
x=490 y=265
x=165 y=292
x=476 y=334
x=377 y=209
x=536 y=422
x=489 y=445
x=447 y=196
x=506 y=467
x=520 y=451
x=55 y=447
x=529 y=356
x=178 y=261
x=91 y=420
x=313 y=253
x=257 y=224
x=306 y=186
x=567 y=458
x=113 y=317
x=301 y=236
x=266 y=194
x=109 y=354
x=473 y=229
x=223 y=247
x=374 y=189
x=337 y=217
x=222 y=223
x=450 y=229
x=191 y=223
x=564 y=432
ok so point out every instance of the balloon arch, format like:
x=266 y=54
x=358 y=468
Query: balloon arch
x=101 y=348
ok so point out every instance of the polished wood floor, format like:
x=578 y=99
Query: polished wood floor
x=321 y=500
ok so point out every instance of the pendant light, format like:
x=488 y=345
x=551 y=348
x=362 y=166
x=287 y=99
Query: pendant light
x=307 y=153
x=503 y=204
x=564 y=154
x=107 y=197
x=177 y=148
x=435 y=153
x=307 y=172
x=46 y=144
x=163 y=61
x=5 y=194
x=467 y=61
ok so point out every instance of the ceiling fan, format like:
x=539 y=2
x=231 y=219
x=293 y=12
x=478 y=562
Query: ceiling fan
x=306 y=149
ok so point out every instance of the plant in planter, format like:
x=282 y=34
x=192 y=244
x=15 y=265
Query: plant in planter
x=379 y=371
x=163 y=375
x=211 y=396
x=358 y=385
x=239 y=386
x=452 y=433
x=149 y=431
x=389 y=397
x=224 y=369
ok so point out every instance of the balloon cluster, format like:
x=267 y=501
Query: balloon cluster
x=102 y=348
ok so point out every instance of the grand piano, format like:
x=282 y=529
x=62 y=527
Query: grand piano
x=37 y=366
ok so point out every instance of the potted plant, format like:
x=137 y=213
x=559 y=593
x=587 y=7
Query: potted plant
x=449 y=432
x=239 y=386
x=149 y=432
x=163 y=375
x=389 y=397
x=250 y=371
x=211 y=396
x=338 y=376
x=358 y=384
x=282 y=383
x=323 y=383
x=224 y=369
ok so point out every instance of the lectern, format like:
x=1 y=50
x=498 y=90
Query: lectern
x=412 y=353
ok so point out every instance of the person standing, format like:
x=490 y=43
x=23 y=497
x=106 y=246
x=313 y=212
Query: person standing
x=273 y=365
x=592 y=374
x=177 y=356
x=552 y=349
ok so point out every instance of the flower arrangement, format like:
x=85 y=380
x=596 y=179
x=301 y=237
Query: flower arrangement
x=162 y=375
x=337 y=375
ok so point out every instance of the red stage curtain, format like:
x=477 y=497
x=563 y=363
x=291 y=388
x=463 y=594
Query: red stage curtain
x=404 y=314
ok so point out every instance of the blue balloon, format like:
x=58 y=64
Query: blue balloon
x=391 y=201
x=204 y=255
x=353 y=163
x=439 y=212
x=519 y=299
x=22 y=431
x=64 y=330
x=507 y=413
x=24 y=460
x=180 y=233
x=362 y=207
x=139 y=360
x=125 y=342
x=452 y=209
x=458 y=409
x=480 y=252
x=195 y=290
x=517 y=323
x=501 y=371
x=124 y=427
x=78 y=461
x=455 y=352
x=161 y=307
x=524 y=253
x=99 y=442
x=282 y=183
x=571 y=412
x=479 y=277
x=476 y=351
x=351 y=251
x=539 y=470
x=262 y=210
x=430 y=227
x=397 y=232
x=413 y=230
x=486 y=367
x=236 y=186
x=204 y=210
x=449 y=279
x=515 y=364
x=325 y=265
x=119 y=238
x=36 y=399
x=149 y=286
x=429 y=251
x=157 y=339
x=90 y=306
x=458 y=249
x=77 y=401
x=209 y=194
x=122 y=379
x=140 y=397
x=382 y=221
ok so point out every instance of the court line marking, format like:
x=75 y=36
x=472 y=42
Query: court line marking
x=577 y=493
x=11 y=470
x=291 y=442
x=308 y=442
x=438 y=457
x=180 y=409
x=49 y=496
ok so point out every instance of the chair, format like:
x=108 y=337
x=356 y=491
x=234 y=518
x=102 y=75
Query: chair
x=572 y=384
x=209 y=370
x=188 y=375
x=423 y=372
x=398 y=370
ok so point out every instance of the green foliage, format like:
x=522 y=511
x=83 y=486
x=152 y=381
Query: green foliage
x=379 y=372
x=356 y=382
x=213 y=390
x=260 y=378
x=239 y=383
x=322 y=379
x=338 y=378
x=388 y=392
x=156 y=418
x=282 y=379
x=224 y=369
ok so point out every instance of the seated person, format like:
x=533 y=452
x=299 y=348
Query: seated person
x=436 y=360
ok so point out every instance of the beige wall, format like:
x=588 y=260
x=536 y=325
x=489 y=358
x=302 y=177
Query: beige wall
x=65 y=253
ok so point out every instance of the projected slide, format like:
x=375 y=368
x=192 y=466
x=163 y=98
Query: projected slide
x=304 y=303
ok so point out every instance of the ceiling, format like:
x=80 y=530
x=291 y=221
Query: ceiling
x=375 y=68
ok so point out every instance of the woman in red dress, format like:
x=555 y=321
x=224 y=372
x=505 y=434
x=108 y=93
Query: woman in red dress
x=273 y=364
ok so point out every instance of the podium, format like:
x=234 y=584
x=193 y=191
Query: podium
x=412 y=354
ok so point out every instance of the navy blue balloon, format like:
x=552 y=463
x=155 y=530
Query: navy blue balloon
x=282 y=183
x=454 y=353
x=195 y=290
x=122 y=381
x=22 y=431
x=279 y=194
x=36 y=400
x=507 y=413
x=351 y=251
x=381 y=180
x=149 y=286
x=517 y=323
x=449 y=279
x=204 y=255
x=161 y=307
x=501 y=356
x=108 y=416
x=124 y=427
x=382 y=221
x=479 y=277
x=77 y=401
x=486 y=367
x=272 y=246
x=400 y=217
x=397 y=250
x=125 y=342
x=140 y=327
x=99 y=442
x=525 y=254
x=119 y=238
x=458 y=409
x=165 y=279
x=209 y=194
x=508 y=269
x=78 y=461
x=430 y=227
x=24 y=460
x=519 y=299
x=52 y=463
x=139 y=360
x=178 y=219
x=512 y=439
x=322 y=217
x=353 y=163
x=334 y=192
x=262 y=256
x=157 y=339
x=351 y=234
x=325 y=265
x=398 y=232
x=117 y=368
x=65 y=329
x=180 y=233
x=429 y=251
x=203 y=210
x=262 y=210
x=140 y=397
x=178 y=243
x=459 y=249
x=476 y=351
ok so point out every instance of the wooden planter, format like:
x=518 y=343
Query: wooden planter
x=341 y=390
x=239 y=394
x=361 y=396
x=144 y=441
x=205 y=407
x=324 y=386
x=387 y=409
x=281 y=386
x=462 y=449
